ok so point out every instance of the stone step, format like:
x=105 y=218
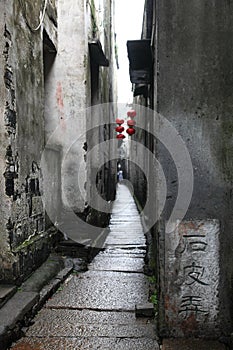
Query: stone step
x=73 y=249
x=124 y=264
x=6 y=292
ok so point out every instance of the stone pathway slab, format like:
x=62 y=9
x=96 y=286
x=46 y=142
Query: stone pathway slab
x=75 y=323
x=124 y=264
x=96 y=309
x=103 y=290
x=95 y=343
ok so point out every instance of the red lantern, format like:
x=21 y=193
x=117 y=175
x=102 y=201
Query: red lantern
x=131 y=122
x=120 y=129
x=119 y=121
x=130 y=131
x=120 y=136
x=132 y=113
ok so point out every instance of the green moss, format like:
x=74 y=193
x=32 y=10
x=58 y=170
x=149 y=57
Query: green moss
x=154 y=299
x=153 y=291
x=93 y=18
x=28 y=242
x=152 y=279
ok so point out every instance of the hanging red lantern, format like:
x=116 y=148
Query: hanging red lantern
x=119 y=121
x=120 y=136
x=131 y=122
x=120 y=129
x=132 y=113
x=130 y=131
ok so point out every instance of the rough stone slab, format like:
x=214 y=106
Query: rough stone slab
x=64 y=273
x=71 y=322
x=6 y=292
x=53 y=285
x=117 y=264
x=86 y=323
x=15 y=309
x=103 y=290
x=94 y=343
x=121 y=252
x=86 y=317
x=48 y=290
x=125 y=246
x=191 y=344
x=191 y=279
x=124 y=241
x=144 y=310
x=96 y=309
x=82 y=330
x=43 y=274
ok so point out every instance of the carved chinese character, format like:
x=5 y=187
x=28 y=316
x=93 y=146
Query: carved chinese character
x=192 y=243
x=194 y=274
x=191 y=305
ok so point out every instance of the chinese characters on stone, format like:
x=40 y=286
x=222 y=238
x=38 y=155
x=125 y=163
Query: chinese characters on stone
x=194 y=274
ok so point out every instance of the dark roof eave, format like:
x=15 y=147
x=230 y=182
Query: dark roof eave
x=140 y=61
x=96 y=53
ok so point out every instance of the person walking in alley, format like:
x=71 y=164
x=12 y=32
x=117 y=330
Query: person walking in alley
x=120 y=176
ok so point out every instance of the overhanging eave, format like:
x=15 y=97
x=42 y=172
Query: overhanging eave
x=96 y=53
x=140 y=61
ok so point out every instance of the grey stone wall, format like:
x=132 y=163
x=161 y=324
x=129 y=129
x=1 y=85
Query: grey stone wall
x=25 y=244
x=194 y=79
x=45 y=75
x=70 y=94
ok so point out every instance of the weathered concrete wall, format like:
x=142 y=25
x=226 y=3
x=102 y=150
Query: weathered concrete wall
x=103 y=111
x=68 y=94
x=45 y=91
x=194 y=78
x=66 y=99
x=5 y=204
x=25 y=244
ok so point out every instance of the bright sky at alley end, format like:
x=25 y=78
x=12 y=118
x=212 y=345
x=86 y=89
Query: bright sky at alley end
x=129 y=16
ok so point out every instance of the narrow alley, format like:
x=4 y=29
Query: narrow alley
x=116 y=175
x=96 y=309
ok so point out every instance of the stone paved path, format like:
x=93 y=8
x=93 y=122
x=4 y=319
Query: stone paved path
x=95 y=309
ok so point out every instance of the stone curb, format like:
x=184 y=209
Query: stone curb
x=19 y=309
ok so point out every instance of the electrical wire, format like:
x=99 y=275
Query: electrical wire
x=42 y=15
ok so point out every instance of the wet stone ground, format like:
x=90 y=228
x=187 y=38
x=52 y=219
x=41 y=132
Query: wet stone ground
x=96 y=309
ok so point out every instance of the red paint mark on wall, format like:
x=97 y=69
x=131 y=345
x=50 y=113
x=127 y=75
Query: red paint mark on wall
x=60 y=104
x=59 y=96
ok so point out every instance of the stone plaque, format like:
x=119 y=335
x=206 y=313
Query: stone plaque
x=191 y=279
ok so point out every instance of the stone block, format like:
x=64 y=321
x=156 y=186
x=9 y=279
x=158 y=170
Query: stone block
x=6 y=292
x=191 y=279
x=17 y=307
x=144 y=310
